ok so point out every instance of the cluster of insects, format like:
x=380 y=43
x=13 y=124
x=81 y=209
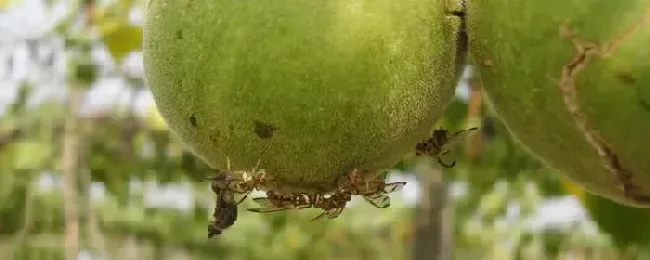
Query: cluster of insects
x=375 y=192
x=226 y=186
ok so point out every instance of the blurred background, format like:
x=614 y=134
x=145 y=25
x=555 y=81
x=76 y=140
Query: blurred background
x=88 y=170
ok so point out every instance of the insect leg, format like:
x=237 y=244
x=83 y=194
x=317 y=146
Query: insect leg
x=319 y=216
x=242 y=199
x=446 y=165
x=379 y=201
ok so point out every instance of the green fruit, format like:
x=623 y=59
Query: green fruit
x=310 y=89
x=571 y=80
x=626 y=225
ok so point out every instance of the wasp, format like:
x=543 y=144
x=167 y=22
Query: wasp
x=226 y=186
x=251 y=180
x=440 y=143
x=374 y=192
x=225 y=214
x=332 y=205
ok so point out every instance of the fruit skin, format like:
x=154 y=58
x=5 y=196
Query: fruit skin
x=311 y=89
x=627 y=226
x=525 y=51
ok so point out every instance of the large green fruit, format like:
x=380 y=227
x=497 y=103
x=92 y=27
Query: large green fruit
x=571 y=80
x=627 y=226
x=310 y=89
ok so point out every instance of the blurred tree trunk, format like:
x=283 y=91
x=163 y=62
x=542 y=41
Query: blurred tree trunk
x=131 y=247
x=93 y=232
x=449 y=238
x=72 y=138
x=431 y=241
x=70 y=175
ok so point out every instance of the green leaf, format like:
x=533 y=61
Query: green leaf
x=30 y=155
x=121 y=39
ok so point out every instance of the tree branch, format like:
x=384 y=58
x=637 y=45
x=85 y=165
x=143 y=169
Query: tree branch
x=70 y=175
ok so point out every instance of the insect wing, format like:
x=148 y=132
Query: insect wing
x=266 y=210
x=267 y=206
x=329 y=213
x=303 y=206
x=333 y=213
x=394 y=186
x=454 y=139
x=379 y=201
x=264 y=202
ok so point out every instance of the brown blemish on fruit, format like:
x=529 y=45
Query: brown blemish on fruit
x=626 y=78
x=568 y=87
x=264 y=130
x=193 y=120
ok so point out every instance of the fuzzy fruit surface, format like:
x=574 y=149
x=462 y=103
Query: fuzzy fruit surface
x=311 y=89
x=571 y=80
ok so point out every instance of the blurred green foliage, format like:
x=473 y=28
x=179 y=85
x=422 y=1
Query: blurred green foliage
x=120 y=150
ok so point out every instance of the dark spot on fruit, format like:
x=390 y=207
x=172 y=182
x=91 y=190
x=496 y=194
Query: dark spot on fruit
x=626 y=78
x=645 y=105
x=193 y=120
x=460 y=14
x=264 y=130
x=179 y=34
